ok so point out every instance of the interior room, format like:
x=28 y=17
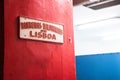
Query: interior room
x=97 y=39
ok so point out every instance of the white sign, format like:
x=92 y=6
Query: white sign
x=40 y=30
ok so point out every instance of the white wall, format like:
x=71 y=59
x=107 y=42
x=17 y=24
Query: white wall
x=99 y=37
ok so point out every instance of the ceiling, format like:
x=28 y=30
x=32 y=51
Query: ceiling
x=96 y=4
x=77 y=2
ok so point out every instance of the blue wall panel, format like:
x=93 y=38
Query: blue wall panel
x=98 y=67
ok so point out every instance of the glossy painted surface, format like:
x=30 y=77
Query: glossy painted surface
x=36 y=60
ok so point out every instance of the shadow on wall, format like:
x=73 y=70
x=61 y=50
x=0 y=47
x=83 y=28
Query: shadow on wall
x=98 y=67
x=1 y=38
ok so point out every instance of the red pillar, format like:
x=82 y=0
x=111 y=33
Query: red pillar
x=36 y=60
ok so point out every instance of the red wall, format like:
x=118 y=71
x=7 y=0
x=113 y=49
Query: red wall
x=36 y=60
